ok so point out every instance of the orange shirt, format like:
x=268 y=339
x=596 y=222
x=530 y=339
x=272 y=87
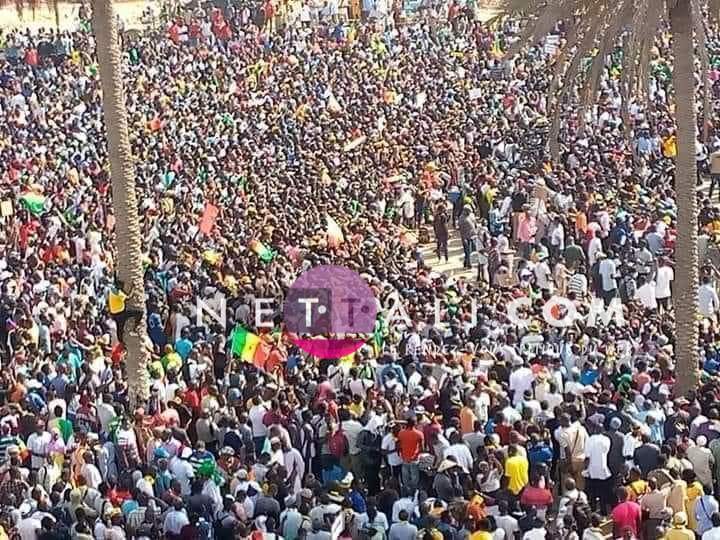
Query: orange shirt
x=467 y=420
x=580 y=222
x=409 y=443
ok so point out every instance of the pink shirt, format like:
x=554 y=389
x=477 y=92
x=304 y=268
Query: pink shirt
x=526 y=228
x=627 y=515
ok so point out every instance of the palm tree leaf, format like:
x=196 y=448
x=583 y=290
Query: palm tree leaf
x=653 y=18
x=607 y=43
x=592 y=20
x=631 y=48
x=554 y=11
x=560 y=62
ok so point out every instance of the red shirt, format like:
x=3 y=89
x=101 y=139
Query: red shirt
x=31 y=57
x=174 y=33
x=626 y=515
x=192 y=399
x=410 y=443
x=537 y=497
x=503 y=431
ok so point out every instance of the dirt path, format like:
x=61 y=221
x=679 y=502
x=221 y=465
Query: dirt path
x=130 y=12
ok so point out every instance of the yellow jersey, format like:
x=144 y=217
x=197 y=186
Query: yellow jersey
x=516 y=469
x=116 y=302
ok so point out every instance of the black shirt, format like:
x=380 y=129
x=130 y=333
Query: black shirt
x=646 y=457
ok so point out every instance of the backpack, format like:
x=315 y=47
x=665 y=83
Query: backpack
x=205 y=530
x=338 y=444
x=222 y=529
x=402 y=346
x=654 y=393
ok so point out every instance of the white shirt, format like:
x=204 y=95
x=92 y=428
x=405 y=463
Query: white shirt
x=462 y=455
x=543 y=276
x=521 y=379
x=712 y=534
x=175 y=520
x=28 y=526
x=607 y=271
x=594 y=247
x=293 y=461
x=388 y=444
x=407 y=504
x=708 y=300
x=37 y=444
x=665 y=276
x=646 y=295
x=630 y=443
x=92 y=475
x=183 y=472
x=508 y=524
x=597 y=448
x=535 y=534
x=256 y=415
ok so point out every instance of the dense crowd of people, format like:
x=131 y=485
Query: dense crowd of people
x=487 y=423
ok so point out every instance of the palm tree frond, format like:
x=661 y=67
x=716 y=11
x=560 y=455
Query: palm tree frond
x=631 y=48
x=591 y=21
x=554 y=11
x=606 y=46
x=653 y=18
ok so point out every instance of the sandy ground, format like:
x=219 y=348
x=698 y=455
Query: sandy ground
x=130 y=12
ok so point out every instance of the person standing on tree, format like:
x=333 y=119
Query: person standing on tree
x=119 y=311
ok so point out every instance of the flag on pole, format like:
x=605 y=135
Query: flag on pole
x=33 y=202
x=334 y=233
x=355 y=143
x=264 y=253
x=333 y=105
x=244 y=344
x=496 y=49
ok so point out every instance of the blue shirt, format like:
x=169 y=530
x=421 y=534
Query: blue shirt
x=704 y=508
x=183 y=347
x=589 y=376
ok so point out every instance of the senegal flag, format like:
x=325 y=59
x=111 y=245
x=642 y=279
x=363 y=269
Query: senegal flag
x=33 y=202
x=244 y=344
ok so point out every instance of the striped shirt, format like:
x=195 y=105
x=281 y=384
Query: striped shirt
x=6 y=442
x=578 y=285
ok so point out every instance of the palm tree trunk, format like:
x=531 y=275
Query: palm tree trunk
x=128 y=262
x=685 y=297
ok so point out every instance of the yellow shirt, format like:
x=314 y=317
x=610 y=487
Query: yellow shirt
x=694 y=492
x=516 y=469
x=172 y=361
x=116 y=302
x=679 y=533
x=480 y=535
x=669 y=146
x=637 y=489
x=358 y=409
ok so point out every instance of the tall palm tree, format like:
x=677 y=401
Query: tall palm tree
x=600 y=25
x=122 y=174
